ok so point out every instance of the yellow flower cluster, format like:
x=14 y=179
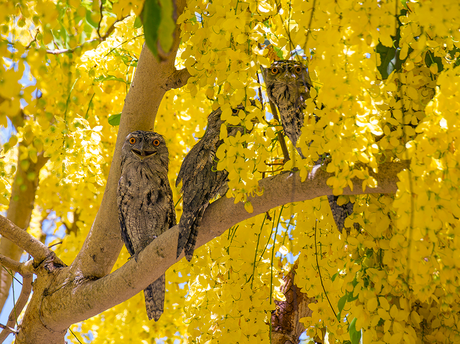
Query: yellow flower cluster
x=386 y=87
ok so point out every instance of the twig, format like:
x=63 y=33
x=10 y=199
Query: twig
x=319 y=272
x=100 y=39
x=275 y=164
x=260 y=91
x=24 y=240
x=12 y=274
x=280 y=136
x=101 y=7
x=8 y=330
x=124 y=42
x=275 y=115
x=34 y=40
x=75 y=335
x=309 y=24
x=20 y=304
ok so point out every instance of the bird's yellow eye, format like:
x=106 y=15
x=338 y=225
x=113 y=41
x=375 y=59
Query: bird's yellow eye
x=298 y=69
x=274 y=70
x=132 y=140
x=235 y=111
x=156 y=142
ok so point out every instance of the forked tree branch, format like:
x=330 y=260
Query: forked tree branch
x=154 y=260
x=103 y=243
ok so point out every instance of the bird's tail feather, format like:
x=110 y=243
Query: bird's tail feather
x=155 y=298
x=184 y=232
x=188 y=232
x=190 y=245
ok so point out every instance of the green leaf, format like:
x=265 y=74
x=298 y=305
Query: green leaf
x=57 y=39
x=388 y=59
x=137 y=23
x=350 y=297
x=278 y=52
x=167 y=25
x=430 y=59
x=355 y=336
x=151 y=18
x=114 y=120
x=89 y=20
x=389 y=56
x=341 y=304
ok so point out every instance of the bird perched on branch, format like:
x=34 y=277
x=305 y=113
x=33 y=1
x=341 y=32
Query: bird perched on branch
x=288 y=87
x=145 y=202
x=201 y=181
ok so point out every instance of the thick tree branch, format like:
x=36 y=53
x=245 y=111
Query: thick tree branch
x=24 y=240
x=92 y=297
x=103 y=243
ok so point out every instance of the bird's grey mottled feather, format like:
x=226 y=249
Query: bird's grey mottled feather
x=201 y=182
x=288 y=87
x=339 y=212
x=145 y=202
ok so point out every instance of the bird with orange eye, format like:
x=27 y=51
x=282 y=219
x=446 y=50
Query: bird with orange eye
x=143 y=144
x=288 y=87
x=201 y=181
x=145 y=203
x=297 y=69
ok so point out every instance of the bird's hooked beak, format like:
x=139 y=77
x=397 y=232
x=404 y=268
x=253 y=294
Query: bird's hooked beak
x=289 y=77
x=142 y=153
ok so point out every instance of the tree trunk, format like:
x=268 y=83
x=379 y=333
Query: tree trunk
x=19 y=212
x=286 y=328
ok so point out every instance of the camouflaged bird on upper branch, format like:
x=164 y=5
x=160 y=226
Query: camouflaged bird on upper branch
x=201 y=181
x=288 y=87
x=145 y=202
